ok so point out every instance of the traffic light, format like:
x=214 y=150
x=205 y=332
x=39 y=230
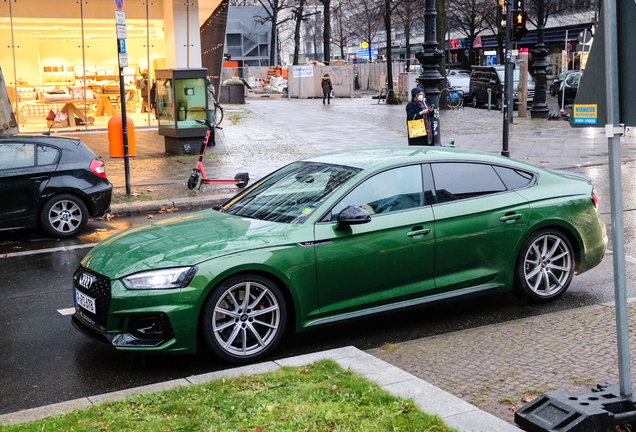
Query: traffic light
x=519 y=29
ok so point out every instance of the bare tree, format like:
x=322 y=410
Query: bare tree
x=364 y=20
x=469 y=17
x=272 y=10
x=408 y=14
x=299 y=15
x=340 y=29
x=326 y=31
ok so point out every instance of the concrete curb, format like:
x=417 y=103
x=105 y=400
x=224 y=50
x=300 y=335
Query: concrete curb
x=454 y=411
x=131 y=209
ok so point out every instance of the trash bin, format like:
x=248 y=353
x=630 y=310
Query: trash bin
x=116 y=137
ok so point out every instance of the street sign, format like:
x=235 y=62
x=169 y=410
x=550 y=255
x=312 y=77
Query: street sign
x=123 y=60
x=120 y=17
x=119 y=4
x=569 y=47
x=122 y=46
x=121 y=32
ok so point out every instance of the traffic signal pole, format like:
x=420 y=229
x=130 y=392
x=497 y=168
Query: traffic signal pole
x=507 y=82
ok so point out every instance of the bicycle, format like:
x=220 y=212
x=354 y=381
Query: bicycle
x=454 y=98
x=218 y=109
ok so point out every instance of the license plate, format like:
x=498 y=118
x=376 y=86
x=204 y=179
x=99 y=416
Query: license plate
x=85 y=301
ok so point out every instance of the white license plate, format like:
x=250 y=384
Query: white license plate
x=85 y=301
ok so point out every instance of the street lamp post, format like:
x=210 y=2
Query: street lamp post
x=430 y=58
x=539 y=106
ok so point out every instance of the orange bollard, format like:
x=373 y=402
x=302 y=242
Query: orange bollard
x=116 y=137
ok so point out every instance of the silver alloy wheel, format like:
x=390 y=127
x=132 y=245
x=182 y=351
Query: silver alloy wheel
x=65 y=216
x=246 y=319
x=547 y=265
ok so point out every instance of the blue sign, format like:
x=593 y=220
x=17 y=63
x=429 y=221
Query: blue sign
x=122 y=46
x=119 y=4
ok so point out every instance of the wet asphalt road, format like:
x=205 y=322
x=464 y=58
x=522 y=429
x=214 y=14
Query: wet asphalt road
x=44 y=360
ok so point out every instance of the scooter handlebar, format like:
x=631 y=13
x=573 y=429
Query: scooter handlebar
x=208 y=124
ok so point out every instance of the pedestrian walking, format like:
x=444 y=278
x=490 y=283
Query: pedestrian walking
x=327 y=88
x=418 y=109
x=141 y=83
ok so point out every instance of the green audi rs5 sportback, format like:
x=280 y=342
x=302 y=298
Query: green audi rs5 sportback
x=335 y=237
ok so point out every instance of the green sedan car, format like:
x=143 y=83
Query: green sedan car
x=336 y=237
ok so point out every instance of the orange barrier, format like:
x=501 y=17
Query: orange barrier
x=116 y=137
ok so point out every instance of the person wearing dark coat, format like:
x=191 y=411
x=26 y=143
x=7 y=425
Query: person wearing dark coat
x=326 y=88
x=416 y=109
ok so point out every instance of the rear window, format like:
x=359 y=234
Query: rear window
x=512 y=178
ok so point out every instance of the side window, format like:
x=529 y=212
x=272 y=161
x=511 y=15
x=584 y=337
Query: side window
x=513 y=179
x=456 y=181
x=16 y=155
x=390 y=191
x=47 y=155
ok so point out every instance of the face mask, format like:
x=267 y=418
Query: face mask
x=420 y=98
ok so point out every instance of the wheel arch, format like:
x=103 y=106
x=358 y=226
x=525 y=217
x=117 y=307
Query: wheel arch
x=85 y=199
x=565 y=228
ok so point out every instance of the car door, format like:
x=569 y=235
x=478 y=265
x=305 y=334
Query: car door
x=478 y=222
x=388 y=259
x=25 y=170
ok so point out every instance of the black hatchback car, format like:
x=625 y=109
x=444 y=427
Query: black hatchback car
x=54 y=183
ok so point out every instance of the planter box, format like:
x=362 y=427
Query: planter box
x=234 y=94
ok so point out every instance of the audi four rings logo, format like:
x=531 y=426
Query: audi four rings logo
x=86 y=280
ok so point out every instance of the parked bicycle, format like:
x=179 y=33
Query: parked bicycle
x=454 y=98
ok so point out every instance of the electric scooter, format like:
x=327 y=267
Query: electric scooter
x=198 y=176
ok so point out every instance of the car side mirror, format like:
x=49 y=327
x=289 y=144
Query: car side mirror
x=352 y=215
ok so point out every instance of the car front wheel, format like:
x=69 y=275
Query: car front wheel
x=244 y=319
x=63 y=215
x=545 y=266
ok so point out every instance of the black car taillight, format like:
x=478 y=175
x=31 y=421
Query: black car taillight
x=595 y=201
x=97 y=167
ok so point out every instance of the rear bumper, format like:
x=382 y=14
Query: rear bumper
x=99 y=198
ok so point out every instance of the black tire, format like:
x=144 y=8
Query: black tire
x=245 y=333
x=552 y=90
x=63 y=215
x=547 y=255
x=194 y=180
x=243 y=179
x=475 y=101
x=218 y=114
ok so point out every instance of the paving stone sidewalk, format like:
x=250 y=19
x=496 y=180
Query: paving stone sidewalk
x=499 y=367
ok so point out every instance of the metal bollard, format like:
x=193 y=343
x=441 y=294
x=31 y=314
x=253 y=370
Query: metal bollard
x=489 y=99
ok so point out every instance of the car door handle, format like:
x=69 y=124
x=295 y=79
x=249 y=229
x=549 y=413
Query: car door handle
x=511 y=217
x=419 y=232
x=39 y=178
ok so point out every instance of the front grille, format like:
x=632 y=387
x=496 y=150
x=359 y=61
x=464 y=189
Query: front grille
x=530 y=93
x=99 y=289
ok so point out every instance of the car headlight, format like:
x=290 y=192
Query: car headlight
x=178 y=277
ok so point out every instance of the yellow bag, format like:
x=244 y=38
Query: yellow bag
x=417 y=128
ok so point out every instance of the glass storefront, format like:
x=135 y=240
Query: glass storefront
x=62 y=56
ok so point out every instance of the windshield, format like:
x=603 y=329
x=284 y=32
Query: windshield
x=290 y=194
x=516 y=75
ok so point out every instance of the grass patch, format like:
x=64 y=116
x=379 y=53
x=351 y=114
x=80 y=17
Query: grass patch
x=121 y=198
x=318 y=397
x=235 y=116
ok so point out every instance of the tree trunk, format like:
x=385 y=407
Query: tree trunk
x=299 y=21
x=407 y=41
x=326 y=34
x=440 y=6
x=390 y=94
x=272 y=40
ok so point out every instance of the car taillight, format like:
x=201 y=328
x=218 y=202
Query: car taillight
x=595 y=201
x=97 y=167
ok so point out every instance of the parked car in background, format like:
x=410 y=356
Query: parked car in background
x=460 y=82
x=337 y=237
x=556 y=84
x=569 y=86
x=54 y=183
x=455 y=72
x=484 y=78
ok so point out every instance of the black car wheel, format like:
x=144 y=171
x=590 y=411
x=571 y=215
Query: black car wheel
x=244 y=319
x=545 y=265
x=553 y=90
x=63 y=215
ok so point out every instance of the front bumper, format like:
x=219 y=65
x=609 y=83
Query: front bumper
x=145 y=320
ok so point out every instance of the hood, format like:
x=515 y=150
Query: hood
x=187 y=240
x=415 y=91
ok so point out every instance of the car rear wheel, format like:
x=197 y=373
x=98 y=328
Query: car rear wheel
x=63 y=215
x=244 y=319
x=545 y=266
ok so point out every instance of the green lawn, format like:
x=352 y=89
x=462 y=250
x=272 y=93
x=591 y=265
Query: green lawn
x=319 y=397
